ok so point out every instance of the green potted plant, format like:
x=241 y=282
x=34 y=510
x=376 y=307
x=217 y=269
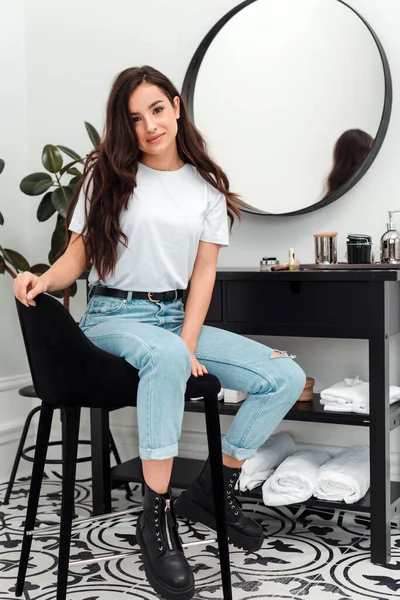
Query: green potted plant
x=56 y=196
x=11 y=261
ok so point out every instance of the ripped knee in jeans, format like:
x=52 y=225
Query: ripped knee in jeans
x=281 y=353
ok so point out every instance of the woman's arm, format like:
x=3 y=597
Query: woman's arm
x=199 y=298
x=61 y=274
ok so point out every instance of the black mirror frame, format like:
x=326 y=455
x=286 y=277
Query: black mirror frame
x=189 y=85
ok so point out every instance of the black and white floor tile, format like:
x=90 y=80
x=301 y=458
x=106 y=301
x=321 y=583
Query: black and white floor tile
x=306 y=555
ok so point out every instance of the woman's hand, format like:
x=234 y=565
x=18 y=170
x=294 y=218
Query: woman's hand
x=27 y=286
x=197 y=368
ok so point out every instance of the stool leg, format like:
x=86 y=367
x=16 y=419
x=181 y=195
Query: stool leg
x=118 y=461
x=42 y=440
x=215 y=452
x=17 y=459
x=70 y=437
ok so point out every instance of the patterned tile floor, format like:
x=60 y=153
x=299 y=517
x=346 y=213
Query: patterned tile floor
x=306 y=554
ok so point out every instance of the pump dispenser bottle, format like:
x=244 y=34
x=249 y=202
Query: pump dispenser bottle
x=390 y=242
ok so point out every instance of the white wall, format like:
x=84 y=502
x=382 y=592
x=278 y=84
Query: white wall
x=16 y=233
x=71 y=58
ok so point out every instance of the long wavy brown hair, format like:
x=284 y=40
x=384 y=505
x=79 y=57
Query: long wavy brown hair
x=110 y=169
x=351 y=150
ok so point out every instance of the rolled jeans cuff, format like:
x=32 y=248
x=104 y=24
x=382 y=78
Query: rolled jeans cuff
x=158 y=453
x=238 y=453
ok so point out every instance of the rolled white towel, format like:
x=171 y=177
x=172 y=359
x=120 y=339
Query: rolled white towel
x=254 y=481
x=270 y=455
x=345 y=477
x=295 y=480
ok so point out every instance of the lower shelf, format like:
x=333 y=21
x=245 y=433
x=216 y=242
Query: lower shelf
x=185 y=470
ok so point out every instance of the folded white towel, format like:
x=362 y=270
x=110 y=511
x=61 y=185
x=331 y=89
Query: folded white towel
x=295 y=480
x=270 y=455
x=352 y=395
x=345 y=477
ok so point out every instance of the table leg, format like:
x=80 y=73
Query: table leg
x=379 y=425
x=100 y=440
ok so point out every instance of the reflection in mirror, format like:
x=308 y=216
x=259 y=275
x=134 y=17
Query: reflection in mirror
x=279 y=86
x=351 y=150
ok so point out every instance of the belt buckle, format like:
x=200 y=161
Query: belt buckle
x=150 y=298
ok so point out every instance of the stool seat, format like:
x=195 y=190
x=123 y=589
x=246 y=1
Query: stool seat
x=197 y=387
x=28 y=392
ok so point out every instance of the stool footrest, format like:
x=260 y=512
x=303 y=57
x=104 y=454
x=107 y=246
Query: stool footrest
x=101 y=557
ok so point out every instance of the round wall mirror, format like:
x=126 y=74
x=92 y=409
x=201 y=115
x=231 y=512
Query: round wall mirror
x=293 y=98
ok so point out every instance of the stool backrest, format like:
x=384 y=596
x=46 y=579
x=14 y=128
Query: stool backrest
x=66 y=367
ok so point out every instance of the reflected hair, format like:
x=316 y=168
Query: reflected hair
x=110 y=169
x=351 y=150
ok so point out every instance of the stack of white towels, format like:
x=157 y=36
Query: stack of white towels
x=352 y=395
x=289 y=477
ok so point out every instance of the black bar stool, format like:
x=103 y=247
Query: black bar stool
x=29 y=392
x=69 y=372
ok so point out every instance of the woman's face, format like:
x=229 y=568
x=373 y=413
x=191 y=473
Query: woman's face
x=154 y=118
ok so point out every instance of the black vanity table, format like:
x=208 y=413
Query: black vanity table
x=352 y=304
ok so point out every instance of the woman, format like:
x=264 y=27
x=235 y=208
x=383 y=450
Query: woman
x=150 y=213
x=350 y=152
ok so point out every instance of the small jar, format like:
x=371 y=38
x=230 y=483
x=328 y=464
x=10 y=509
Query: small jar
x=359 y=249
x=267 y=262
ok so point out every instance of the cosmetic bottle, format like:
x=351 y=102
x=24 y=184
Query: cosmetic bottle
x=292 y=262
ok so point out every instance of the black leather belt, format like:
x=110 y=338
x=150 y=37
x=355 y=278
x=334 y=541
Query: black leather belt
x=99 y=290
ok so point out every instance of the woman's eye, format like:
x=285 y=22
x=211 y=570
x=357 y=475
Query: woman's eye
x=158 y=109
x=135 y=119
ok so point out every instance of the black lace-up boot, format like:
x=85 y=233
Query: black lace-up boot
x=197 y=504
x=166 y=567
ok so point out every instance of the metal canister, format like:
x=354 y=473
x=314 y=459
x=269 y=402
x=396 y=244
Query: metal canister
x=326 y=248
x=359 y=249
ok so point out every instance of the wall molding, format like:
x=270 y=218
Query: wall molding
x=15 y=382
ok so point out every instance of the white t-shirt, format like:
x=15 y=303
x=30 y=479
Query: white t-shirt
x=168 y=214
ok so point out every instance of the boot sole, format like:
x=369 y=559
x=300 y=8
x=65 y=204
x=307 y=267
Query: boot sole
x=188 y=509
x=157 y=584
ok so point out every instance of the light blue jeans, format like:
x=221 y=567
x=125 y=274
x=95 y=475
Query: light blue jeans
x=146 y=334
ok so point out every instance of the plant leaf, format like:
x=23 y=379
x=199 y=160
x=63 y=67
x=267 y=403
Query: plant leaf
x=59 y=238
x=69 y=152
x=51 y=258
x=51 y=158
x=74 y=181
x=74 y=171
x=68 y=166
x=16 y=259
x=61 y=198
x=45 y=209
x=93 y=134
x=35 y=184
x=1 y=219
x=2 y=266
x=39 y=269
x=2 y=163
x=73 y=289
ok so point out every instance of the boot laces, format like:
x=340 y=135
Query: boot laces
x=170 y=530
x=233 y=502
x=157 y=523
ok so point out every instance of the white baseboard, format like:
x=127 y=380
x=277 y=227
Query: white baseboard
x=14 y=411
x=15 y=382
